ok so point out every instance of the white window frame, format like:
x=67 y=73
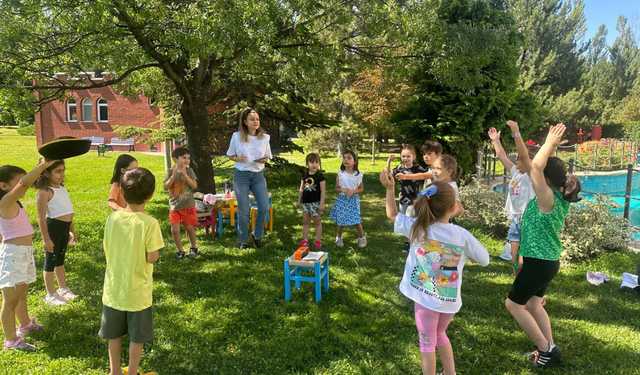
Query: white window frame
x=71 y=103
x=86 y=102
x=102 y=102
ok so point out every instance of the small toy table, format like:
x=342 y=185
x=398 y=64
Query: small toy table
x=317 y=262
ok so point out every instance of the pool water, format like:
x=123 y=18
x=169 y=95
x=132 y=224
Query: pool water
x=612 y=184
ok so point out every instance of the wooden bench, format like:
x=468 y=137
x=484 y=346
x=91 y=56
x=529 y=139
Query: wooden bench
x=95 y=141
x=129 y=142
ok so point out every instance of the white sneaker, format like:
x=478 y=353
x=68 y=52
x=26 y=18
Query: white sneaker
x=506 y=254
x=55 y=299
x=362 y=242
x=339 y=242
x=66 y=293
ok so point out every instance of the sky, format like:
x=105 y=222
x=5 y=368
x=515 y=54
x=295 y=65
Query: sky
x=598 y=12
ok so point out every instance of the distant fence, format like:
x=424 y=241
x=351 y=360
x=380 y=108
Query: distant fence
x=487 y=160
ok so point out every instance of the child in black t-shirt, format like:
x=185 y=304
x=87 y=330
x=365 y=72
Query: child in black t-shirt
x=311 y=199
x=408 y=188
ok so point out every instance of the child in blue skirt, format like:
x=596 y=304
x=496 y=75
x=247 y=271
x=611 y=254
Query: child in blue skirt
x=346 y=209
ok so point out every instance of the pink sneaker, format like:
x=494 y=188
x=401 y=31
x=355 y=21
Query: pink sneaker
x=18 y=344
x=318 y=245
x=304 y=243
x=32 y=326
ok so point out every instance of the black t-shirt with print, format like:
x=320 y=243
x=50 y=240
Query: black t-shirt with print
x=408 y=188
x=311 y=191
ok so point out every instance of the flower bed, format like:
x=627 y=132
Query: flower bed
x=601 y=155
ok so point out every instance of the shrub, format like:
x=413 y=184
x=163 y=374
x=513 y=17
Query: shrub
x=326 y=140
x=27 y=130
x=592 y=229
x=484 y=206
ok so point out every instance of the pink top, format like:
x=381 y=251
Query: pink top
x=19 y=226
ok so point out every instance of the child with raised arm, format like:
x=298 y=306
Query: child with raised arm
x=180 y=182
x=311 y=199
x=540 y=246
x=132 y=240
x=409 y=188
x=433 y=270
x=346 y=209
x=520 y=189
x=55 y=218
x=17 y=265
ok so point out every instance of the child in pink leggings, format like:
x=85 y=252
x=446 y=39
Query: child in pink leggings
x=433 y=271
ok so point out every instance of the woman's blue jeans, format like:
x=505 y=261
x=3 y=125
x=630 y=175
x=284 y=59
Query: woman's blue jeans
x=243 y=181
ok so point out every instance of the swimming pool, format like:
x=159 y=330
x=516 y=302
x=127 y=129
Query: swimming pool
x=612 y=183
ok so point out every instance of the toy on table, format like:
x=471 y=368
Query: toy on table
x=302 y=252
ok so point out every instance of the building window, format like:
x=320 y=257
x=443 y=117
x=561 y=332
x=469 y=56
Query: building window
x=72 y=114
x=86 y=110
x=103 y=110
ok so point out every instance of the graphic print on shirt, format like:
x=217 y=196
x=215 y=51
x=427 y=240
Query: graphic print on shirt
x=436 y=271
x=178 y=187
x=309 y=184
x=514 y=187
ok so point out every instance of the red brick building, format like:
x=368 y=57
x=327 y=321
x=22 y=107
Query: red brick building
x=94 y=112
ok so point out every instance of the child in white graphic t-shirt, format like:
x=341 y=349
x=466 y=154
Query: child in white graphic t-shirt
x=520 y=189
x=433 y=270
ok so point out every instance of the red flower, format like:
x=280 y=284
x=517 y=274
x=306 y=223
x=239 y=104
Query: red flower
x=590 y=159
x=530 y=143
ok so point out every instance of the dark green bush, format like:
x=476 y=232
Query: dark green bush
x=27 y=130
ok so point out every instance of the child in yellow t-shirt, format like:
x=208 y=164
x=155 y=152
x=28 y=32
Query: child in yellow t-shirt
x=132 y=241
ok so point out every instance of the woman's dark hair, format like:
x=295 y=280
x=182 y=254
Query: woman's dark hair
x=313 y=157
x=122 y=162
x=355 y=161
x=568 y=185
x=430 y=209
x=244 y=129
x=44 y=180
x=449 y=162
x=8 y=173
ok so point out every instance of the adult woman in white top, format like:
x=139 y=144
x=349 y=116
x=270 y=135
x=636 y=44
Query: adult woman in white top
x=250 y=150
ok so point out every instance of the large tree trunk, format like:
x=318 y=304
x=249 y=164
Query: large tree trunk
x=196 y=126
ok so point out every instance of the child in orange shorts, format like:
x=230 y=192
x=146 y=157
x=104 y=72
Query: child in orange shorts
x=180 y=182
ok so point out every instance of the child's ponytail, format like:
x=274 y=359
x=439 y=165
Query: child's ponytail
x=432 y=204
x=568 y=185
x=571 y=189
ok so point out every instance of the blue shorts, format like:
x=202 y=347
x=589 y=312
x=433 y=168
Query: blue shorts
x=514 y=231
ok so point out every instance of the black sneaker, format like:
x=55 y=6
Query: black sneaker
x=243 y=246
x=256 y=241
x=179 y=255
x=193 y=252
x=406 y=247
x=546 y=359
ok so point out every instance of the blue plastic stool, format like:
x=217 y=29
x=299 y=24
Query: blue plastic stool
x=225 y=218
x=320 y=269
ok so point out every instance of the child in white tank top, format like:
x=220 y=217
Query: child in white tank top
x=55 y=218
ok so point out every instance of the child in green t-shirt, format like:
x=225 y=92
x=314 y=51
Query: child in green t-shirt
x=540 y=246
x=132 y=240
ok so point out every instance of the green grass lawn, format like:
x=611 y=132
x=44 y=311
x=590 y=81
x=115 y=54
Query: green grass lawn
x=225 y=313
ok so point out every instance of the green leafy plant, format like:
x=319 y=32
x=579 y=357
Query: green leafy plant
x=592 y=229
x=484 y=206
x=29 y=130
x=325 y=141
